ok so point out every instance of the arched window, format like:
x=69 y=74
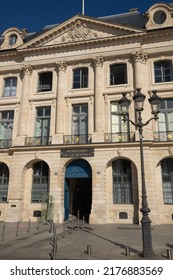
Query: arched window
x=167 y=180
x=40 y=182
x=4 y=178
x=122 y=182
x=163 y=71
x=118 y=74
x=80 y=77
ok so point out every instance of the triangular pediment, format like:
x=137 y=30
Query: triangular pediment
x=79 y=29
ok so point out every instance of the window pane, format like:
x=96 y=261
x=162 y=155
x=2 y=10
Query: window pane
x=122 y=186
x=118 y=74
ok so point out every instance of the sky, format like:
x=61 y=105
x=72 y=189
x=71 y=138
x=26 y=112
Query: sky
x=35 y=14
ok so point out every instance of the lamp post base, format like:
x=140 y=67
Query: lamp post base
x=147 y=252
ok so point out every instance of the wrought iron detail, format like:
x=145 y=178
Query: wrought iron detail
x=38 y=141
x=119 y=137
x=5 y=143
x=77 y=139
x=163 y=136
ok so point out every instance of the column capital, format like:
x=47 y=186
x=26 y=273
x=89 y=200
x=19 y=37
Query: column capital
x=61 y=66
x=98 y=61
x=26 y=70
x=139 y=56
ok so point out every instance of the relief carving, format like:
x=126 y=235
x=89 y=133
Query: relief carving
x=139 y=56
x=79 y=31
x=61 y=66
x=98 y=61
x=26 y=70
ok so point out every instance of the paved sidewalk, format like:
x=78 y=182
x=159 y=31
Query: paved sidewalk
x=105 y=241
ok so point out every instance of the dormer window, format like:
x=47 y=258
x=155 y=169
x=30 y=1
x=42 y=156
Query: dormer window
x=163 y=71
x=12 y=39
x=45 y=81
x=159 y=17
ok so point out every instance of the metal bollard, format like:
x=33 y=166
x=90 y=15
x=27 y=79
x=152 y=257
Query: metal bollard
x=3 y=231
x=169 y=254
x=127 y=251
x=29 y=225
x=89 y=249
x=17 y=228
x=78 y=225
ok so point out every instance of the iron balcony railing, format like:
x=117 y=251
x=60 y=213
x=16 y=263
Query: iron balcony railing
x=5 y=143
x=160 y=136
x=38 y=141
x=77 y=139
x=119 y=137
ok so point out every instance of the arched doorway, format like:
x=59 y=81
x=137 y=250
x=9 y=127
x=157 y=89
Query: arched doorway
x=78 y=189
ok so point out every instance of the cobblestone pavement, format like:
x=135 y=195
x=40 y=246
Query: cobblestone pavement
x=30 y=241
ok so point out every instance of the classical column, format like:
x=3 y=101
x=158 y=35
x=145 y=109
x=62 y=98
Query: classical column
x=61 y=71
x=139 y=59
x=26 y=72
x=99 y=100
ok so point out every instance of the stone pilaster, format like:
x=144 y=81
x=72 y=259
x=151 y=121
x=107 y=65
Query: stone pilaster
x=26 y=72
x=139 y=59
x=61 y=71
x=98 y=135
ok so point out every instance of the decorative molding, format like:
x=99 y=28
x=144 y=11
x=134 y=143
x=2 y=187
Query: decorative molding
x=120 y=152
x=79 y=31
x=170 y=150
x=139 y=56
x=26 y=70
x=98 y=61
x=61 y=66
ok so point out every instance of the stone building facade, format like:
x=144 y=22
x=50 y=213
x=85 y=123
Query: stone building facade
x=64 y=147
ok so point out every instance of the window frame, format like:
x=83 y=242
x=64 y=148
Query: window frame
x=112 y=79
x=42 y=86
x=163 y=77
x=83 y=78
x=4 y=178
x=12 y=92
x=36 y=178
x=122 y=175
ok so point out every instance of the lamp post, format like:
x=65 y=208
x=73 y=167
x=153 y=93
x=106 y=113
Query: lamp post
x=124 y=103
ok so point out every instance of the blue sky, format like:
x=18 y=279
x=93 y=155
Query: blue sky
x=35 y=14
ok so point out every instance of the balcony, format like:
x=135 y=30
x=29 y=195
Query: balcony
x=77 y=139
x=5 y=143
x=163 y=136
x=119 y=137
x=38 y=141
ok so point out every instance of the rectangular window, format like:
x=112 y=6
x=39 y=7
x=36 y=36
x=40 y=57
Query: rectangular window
x=163 y=71
x=42 y=127
x=80 y=78
x=80 y=123
x=118 y=74
x=122 y=185
x=6 y=124
x=45 y=81
x=10 y=85
x=165 y=121
x=119 y=128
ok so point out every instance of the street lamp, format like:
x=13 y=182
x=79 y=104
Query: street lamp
x=124 y=103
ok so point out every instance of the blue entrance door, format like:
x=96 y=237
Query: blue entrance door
x=77 y=169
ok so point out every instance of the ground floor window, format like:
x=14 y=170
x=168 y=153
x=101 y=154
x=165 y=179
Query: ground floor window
x=40 y=182
x=122 y=186
x=167 y=180
x=4 y=178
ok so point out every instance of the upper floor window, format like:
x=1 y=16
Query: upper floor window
x=45 y=81
x=80 y=78
x=6 y=124
x=10 y=85
x=163 y=71
x=118 y=74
